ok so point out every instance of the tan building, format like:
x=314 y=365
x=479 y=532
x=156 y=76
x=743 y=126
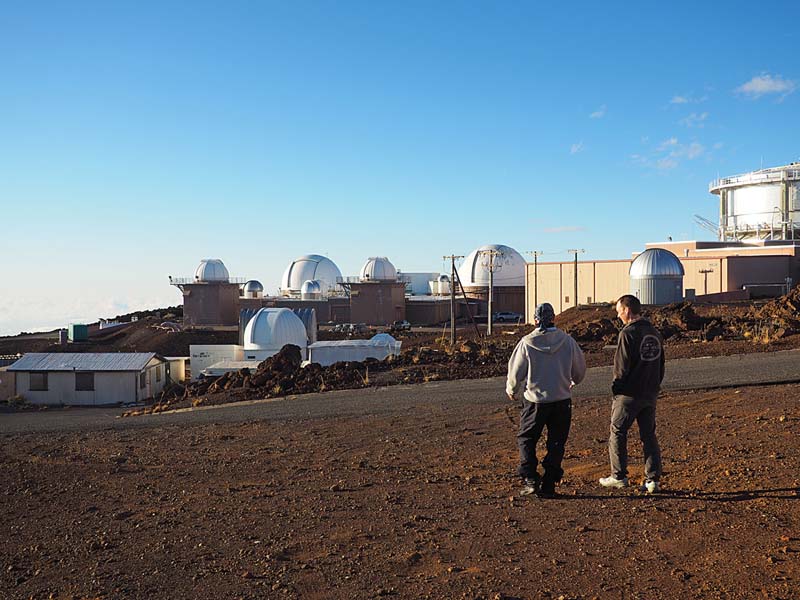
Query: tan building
x=377 y=302
x=758 y=268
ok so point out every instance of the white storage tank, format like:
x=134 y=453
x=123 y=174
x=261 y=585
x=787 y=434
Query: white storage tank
x=760 y=205
x=657 y=277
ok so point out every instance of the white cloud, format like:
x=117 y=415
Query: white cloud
x=564 y=229
x=668 y=143
x=575 y=148
x=765 y=84
x=718 y=145
x=695 y=120
x=666 y=164
x=668 y=154
x=687 y=99
x=599 y=113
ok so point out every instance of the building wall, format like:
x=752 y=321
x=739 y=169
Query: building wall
x=377 y=303
x=110 y=388
x=7 y=384
x=430 y=312
x=335 y=309
x=205 y=355
x=210 y=304
x=505 y=298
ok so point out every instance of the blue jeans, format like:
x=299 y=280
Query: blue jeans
x=624 y=411
x=535 y=416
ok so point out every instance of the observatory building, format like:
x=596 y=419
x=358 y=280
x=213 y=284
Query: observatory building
x=211 y=297
x=505 y=267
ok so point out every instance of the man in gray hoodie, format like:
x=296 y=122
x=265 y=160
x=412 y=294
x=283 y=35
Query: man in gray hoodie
x=541 y=372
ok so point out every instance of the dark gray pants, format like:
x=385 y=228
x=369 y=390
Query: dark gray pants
x=533 y=419
x=624 y=411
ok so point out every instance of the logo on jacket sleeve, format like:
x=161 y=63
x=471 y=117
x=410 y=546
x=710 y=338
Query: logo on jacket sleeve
x=650 y=348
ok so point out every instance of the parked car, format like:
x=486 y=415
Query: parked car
x=400 y=326
x=507 y=317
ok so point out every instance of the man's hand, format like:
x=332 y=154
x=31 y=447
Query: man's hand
x=511 y=397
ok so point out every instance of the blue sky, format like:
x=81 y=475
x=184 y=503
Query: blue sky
x=139 y=138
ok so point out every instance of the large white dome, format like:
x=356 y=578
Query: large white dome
x=378 y=268
x=273 y=328
x=211 y=269
x=509 y=267
x=311 y=267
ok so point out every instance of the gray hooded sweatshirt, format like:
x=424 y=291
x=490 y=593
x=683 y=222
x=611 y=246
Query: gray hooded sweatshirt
x=544 y=365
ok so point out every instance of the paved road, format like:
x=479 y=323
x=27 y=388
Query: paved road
x=726 y=371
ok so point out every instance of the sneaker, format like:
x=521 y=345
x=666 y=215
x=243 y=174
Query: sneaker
x=529 y=486
x=612 y=482
x=650 y=486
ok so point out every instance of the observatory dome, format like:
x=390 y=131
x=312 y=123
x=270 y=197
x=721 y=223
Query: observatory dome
x=378 y=268
x=211 y=270
x=311 y=287
x=443 y=278
x=310 y=267
x=509 y=267
x=273 y=328
x=656 y=262
x=253 y=289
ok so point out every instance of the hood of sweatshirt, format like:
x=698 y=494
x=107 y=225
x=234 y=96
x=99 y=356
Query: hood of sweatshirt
x=548 y=341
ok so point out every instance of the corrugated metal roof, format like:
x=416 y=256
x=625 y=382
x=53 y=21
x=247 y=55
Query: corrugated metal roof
x=88 y=361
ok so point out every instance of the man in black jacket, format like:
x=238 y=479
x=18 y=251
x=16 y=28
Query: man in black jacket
x=638 y=372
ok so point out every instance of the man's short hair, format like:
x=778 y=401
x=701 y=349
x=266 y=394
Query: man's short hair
x=632 y=303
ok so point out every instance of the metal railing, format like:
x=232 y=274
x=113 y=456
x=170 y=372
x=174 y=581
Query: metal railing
x=192 y=280
x=756 y=177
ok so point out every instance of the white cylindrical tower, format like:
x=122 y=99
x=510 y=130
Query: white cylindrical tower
x=760 y=205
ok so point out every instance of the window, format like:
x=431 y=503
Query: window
x=158 y=374
x=84 y=382
x=38 y=382
x=142 y=379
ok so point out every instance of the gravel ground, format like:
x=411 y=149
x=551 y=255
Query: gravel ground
x=415 y=502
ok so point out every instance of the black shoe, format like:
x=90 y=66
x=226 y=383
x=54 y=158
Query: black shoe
x=547 y=490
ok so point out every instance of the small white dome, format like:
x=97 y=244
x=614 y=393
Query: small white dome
x=509 y=267
x=252 y=286
x=378 y=268
x=273 y=328
x=656 y=262
x=382 y=339
x=211 y=269
x=443 y=278
x=310 y=267
x=311 y=287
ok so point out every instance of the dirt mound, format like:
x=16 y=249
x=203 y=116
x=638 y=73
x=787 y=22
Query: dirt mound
x=278 y=375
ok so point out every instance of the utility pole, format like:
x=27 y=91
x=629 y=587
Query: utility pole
x=452 y=258
x=705 y=273
x=575 y=252
x=536 y=254
x=492 y=264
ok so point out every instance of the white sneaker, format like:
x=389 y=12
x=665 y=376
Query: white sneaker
x=612 y=482
x=650 y=487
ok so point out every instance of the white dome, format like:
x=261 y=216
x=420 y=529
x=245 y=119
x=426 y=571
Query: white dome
x=310 y=267
x=378 y=268
x=443 y=278
x=656 y=262
x=211 y=269
x=273 y=328
x=311 y=287
x=509 y=267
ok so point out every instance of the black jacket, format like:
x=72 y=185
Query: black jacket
x=639 y=361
